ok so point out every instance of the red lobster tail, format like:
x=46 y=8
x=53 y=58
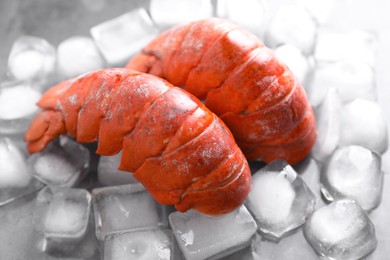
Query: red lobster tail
x=178 y=149
x=241 y=81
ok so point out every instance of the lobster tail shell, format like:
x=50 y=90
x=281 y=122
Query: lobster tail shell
x=241 y=81
x=181 y=152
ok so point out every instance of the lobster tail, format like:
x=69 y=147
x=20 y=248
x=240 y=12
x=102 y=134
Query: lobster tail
x=180 y=151
x=46 y=126
x=241 y=81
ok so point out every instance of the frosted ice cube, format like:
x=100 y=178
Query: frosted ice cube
x=118 y=39
x=32 y=58
x=17 y=106
x=251 y=15
x=328 y=125
x=334 y=45
x=298 y=63
x=167 y=13
x=78 y=55
x=354 y=172
x=124 y=208
x=352 y=79
x=200 y=236
x=139 y=245
x=15 y=176
x=341 y=230
x=292 y=24
x=63 y=164
x=363 y=123
x=108 y=173
x=279 y=200
x=291 y=247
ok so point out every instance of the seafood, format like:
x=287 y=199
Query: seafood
x=241 y=81
x=181 y=152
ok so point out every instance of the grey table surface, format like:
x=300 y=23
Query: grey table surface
x=57 y=20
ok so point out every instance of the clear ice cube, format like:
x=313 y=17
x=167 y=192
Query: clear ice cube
x=352 y=79
x=125 y=208
x=118 y=39
x=15 y=176
x=62 y=212
x=243 y=254
x=380 y=218
x=63 y=164
x=202 y=237
x=167 y=13
x=252 y=15
x=292 y=24
x=18 y=239
x=279 y=201
x=336 y=45
x=298 y=63
x=17 y=106
x=353 y=172
x=108 y=173
x=310 y=171
x=78 y=55
x=291 y=247
x=363 y=123
x=32 y=59
x=63 y=216
x=328 y=125
x=140 y=245
x=341 y=230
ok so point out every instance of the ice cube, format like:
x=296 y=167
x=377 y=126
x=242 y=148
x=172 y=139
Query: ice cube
x=291 y=247
x=62 y=212
x=353 y=172
x=63 y=217
x=118 y=39
x=362 y=123
x=138 y=245
x=328 y=125
x=64 y=163
x=336 y=45
x=292 y=24
x=78 y=55
x=279 y=200
x=319 y=9
x=167 y=13
x=15 y=176
x=125 y=208
x=243 y=254
x=352 y=79
x=380 y=218
x=298 y=63
x=310 y=171
x=108 y=173
x=74 y=249
x=251 y=15
x=17 y=106
x=200 y=236
x=341 y=230
x=18 y=239
x=32 y=59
